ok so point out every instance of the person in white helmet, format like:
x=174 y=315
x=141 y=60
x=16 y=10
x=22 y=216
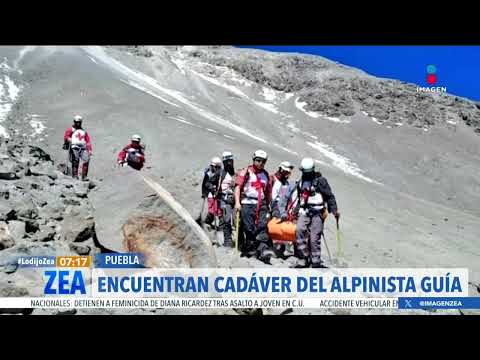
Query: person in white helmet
x=280 y=185
x=227 y=196
x=210 y=189
x=309 y=202
x=252 y=199
x=77 y=141
x=280 y=188
x=133 y=154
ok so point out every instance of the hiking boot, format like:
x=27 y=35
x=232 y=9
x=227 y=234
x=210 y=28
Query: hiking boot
x=228 y=244
x=302 y=264
x=209 y=219
x=75 y=177
x=279 y=250
x=246 y=254
x=320 y=265
x=265 y=254
x=265 y=259
x=247 y=251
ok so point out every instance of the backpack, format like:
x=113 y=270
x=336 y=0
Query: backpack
x=294 y=207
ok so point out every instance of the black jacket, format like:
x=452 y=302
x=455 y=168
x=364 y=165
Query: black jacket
x=320 y=184
x=210 y=182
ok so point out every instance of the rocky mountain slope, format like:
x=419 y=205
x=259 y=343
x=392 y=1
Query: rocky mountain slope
x=336 y=90
x=408 y=193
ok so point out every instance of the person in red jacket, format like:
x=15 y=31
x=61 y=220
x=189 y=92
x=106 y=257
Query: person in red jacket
x=133 y=154
x=252 y=200
x=77 y=142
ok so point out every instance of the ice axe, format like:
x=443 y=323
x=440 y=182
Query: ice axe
x=326 y=246
x=237 y=225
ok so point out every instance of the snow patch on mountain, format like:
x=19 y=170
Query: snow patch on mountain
x=341 y=162
x=301 y=106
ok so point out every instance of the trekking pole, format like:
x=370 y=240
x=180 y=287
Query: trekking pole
x=217 y=204
x=326 y=246
x=216 y=228
x=339 y=241
x=237 y=228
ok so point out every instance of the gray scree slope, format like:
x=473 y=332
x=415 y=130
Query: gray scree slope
x=403 y=165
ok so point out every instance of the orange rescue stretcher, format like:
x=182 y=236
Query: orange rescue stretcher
x=285 y=231
x=282 y=231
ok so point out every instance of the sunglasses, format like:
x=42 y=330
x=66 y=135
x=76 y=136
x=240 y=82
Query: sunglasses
x=260 y=160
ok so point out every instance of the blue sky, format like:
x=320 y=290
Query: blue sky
x=458 y=67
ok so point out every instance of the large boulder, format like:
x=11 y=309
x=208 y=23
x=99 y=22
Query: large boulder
x=163 y=230
x=139 y=216
x=114 y=202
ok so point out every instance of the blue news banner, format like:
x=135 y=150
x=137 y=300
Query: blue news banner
x=73 y=285
x=120 y=261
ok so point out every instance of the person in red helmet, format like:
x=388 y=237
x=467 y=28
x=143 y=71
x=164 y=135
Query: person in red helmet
x=133 y=154
x=77 y=142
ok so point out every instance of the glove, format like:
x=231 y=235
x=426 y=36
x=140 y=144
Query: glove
x=324 y=214
x=238 y=207
x=337 y=215
x=65 y=145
